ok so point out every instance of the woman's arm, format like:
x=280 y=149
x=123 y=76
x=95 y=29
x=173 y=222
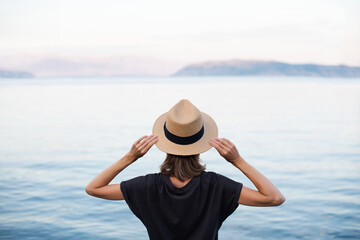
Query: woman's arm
x=99 y=186
x=267 y=194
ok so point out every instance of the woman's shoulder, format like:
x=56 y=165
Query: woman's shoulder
x=153 y=176
x=143 y=179
x=215 y=177
x=157 y=178
x=202 y=175
x=208 y=177
x=210 y=174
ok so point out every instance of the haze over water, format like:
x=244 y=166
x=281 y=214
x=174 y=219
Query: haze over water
x=57 y=134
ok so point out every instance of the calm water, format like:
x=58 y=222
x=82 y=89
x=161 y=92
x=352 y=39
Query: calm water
x=57 y=134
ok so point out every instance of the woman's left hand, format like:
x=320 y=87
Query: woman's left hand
x=142 y=146
x=226 y=149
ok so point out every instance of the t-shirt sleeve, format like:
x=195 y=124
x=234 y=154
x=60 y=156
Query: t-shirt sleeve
x=134 y=192
x=230 y=192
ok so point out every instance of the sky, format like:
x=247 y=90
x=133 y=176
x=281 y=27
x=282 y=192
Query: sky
x=308 y=31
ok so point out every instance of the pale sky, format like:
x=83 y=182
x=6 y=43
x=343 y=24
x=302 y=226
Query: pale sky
x=308 y=31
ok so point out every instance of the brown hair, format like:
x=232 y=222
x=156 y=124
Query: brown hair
x=182 y=167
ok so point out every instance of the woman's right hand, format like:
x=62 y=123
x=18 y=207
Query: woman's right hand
x=226 y=149
x=142 y=146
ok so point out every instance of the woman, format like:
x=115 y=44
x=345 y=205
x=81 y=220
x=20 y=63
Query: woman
x=183 y=201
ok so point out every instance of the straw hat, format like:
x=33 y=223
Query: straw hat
x=184 y=130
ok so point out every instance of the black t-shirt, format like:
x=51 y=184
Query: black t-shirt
x=195 y=211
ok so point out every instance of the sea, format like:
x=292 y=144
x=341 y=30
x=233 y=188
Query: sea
x=57 y=134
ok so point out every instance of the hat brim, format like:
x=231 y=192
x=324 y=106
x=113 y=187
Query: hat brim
x=202 y=145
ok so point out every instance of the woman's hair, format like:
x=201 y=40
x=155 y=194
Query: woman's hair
x=182 y=167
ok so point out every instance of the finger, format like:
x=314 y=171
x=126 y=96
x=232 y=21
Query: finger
x=140 y=139
x=145 y=148
x=213 y=143
x=146 y=141
x=150 y=144
x=222 y=144
x=228 y=142
x=217 y=146
x=149 y=140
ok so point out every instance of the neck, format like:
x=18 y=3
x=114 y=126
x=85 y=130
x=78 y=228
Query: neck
x=179 y=184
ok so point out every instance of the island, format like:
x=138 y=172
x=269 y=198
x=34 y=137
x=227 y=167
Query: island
x=15 y=74
x=266 y=68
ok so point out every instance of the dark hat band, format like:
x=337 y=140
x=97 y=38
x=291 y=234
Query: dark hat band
x=183 y=140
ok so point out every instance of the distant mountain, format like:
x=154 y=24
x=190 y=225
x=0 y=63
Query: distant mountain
x=74 y=66
x=263 y=68
x=15 y=74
